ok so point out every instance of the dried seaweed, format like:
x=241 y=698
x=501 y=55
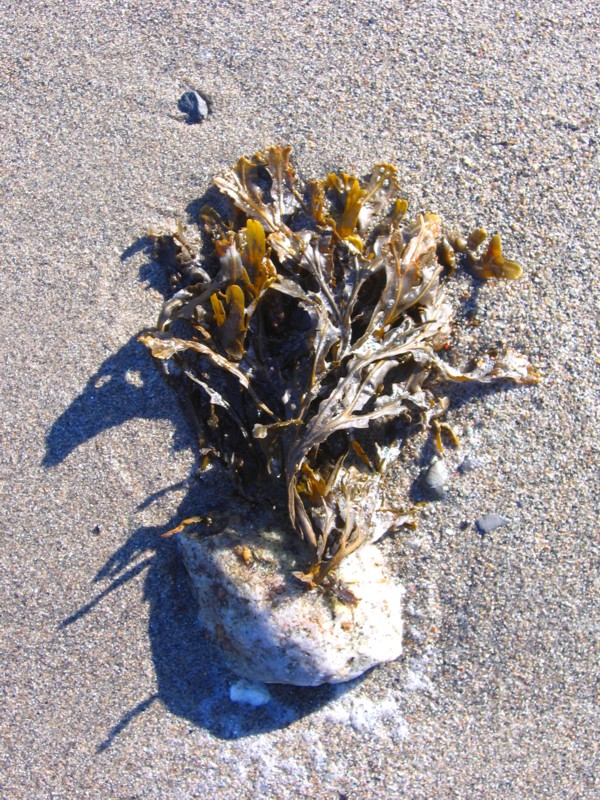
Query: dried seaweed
x=323 y=314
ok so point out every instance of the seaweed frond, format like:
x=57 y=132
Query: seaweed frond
x=322 y=314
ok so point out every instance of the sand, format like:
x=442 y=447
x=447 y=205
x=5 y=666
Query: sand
x=490 y=112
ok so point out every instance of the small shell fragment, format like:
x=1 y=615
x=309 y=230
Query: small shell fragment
x=489 y=522
x=249 y=693
x=436 y=478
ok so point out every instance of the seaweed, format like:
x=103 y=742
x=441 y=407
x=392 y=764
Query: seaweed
x=324 y=313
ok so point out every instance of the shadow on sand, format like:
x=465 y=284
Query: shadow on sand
x=193 y=680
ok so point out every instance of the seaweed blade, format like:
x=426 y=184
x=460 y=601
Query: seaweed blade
x=322 y=317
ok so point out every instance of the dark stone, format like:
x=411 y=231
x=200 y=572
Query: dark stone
x=195 y=105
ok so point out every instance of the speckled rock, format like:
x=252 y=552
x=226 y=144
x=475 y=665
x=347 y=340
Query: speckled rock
x=270 y=628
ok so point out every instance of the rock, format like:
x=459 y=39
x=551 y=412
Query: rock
x=194 y=105
x=489 y=523
x=468 y=464
x=249 y=693
x=436 y=478
x=269 y=627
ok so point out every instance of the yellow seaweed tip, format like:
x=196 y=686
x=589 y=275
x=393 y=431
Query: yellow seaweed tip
x=494 y=265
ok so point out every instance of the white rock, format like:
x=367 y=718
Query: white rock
x=270 y=627
x=437 y=477
x=489 y=523
x=249 y=693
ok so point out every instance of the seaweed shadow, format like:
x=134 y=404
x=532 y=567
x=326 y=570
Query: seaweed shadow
x=193 y=680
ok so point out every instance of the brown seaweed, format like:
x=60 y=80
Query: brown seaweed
x=323 y=314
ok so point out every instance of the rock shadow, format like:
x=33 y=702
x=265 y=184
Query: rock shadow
x=193 y=679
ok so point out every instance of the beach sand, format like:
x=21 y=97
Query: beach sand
x=490 y=113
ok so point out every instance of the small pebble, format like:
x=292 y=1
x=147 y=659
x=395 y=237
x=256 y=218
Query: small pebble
x=489 y=523
x=436 y=478
x=194 y=105
x=468 y=464
x=249 y=693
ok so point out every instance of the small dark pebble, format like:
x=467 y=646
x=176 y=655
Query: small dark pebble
x=96 y=529
x=489 y=523
x=195 y=106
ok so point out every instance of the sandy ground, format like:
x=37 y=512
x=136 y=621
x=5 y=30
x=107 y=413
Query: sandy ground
x=490 y=112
